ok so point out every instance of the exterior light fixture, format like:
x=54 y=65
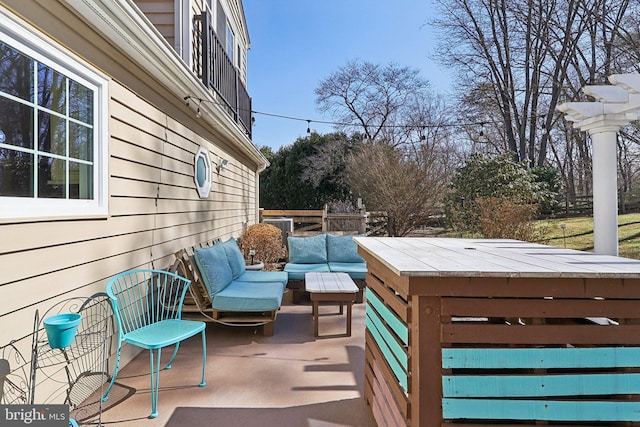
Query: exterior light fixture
x=222 y=163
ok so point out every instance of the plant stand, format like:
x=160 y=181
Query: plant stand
x=75 y=374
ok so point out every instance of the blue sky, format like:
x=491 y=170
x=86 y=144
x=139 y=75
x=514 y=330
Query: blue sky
x=297 y=43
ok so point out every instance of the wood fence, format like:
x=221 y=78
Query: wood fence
x=320 y=220
x=583 y=205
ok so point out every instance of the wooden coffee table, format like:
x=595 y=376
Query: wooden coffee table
x=331 y=287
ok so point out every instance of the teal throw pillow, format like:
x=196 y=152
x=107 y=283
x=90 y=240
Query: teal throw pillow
x=214 y=268
x=308 y=250
x=342 y=249
x=235 y=257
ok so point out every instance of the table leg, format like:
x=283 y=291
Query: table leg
x=341 y=310
x=315 y=318
x=349 y=304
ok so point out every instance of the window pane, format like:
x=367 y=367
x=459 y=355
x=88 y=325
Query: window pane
x=80 y=142
x=52 y=91
x=52 y=174
x=16 y=73
x=80 y=102
x=80 y=181
x=16 y=173
x=52 y=132
x=229 y=43
x=16 y=123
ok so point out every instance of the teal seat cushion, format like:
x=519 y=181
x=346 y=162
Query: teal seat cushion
x=356 y=270
x=297 y=271
x=249 y=296
x=263 y=276
x=342 y=249
x=308 y=250
x=163 y=333
x=235 y=257
x=214 y=268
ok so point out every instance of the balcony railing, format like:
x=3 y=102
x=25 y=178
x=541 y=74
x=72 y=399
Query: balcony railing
x=213 y=66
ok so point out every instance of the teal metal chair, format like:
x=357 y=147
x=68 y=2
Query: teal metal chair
x=148 y=311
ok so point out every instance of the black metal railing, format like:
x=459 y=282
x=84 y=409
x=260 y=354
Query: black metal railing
x=214 y=67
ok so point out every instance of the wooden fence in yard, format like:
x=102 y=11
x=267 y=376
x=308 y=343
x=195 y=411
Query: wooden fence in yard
x=320 y=220
x=583 y=205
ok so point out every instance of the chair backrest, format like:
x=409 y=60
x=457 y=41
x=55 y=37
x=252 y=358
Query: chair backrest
x=144 y=297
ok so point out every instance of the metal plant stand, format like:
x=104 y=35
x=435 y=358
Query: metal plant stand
x=75 y=374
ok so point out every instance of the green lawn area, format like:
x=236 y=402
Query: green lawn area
x=578 y=234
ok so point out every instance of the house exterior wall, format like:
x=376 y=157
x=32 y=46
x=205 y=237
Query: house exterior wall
x=162 y=14
x=153 y=206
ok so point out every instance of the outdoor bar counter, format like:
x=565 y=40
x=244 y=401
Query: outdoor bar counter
x=500 y=332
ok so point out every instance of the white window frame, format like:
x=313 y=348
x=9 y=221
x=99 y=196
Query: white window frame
x=40 y=48
x=230 y=43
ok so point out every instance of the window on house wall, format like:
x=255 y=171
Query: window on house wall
x=52 y=144
x=230 y=42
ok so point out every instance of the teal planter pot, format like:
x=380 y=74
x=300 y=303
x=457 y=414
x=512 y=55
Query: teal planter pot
x=61 y=329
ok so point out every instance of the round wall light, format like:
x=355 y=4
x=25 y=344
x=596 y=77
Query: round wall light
x=202 y=172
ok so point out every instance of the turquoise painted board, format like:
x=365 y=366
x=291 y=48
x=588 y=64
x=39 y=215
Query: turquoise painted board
x=540 y=410
x=400 y=374
x=543 y=358
x=389 y=338
x=540 y=385
x=398 y=326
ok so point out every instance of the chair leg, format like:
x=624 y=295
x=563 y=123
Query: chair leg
x=204 y=357
x=175 y=352
x=113 y=378
x=155 y=381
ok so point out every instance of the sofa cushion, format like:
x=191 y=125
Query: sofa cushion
x=308 y=250
x=342 y=249
x=297 y=271
x=235 y=257
x=356 y=270
x=249 y=296
x=263 y=276
x=214 y=268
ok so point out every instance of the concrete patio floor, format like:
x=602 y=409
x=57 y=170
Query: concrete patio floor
x=289 y=379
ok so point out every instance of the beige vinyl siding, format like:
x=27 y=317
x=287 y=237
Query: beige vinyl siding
x=154 y=208
x=154 y=211
x=162 y=16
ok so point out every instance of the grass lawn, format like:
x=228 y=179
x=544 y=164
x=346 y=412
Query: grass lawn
x=577 y=233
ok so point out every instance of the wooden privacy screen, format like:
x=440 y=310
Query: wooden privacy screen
x=474 y=347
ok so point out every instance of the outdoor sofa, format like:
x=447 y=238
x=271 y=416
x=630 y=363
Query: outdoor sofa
x=323 y=253
x=224 y=291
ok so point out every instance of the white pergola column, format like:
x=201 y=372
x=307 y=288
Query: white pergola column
x=616 y=106
x=605 y=188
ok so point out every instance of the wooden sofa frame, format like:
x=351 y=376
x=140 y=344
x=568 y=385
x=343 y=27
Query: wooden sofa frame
x=197 y=303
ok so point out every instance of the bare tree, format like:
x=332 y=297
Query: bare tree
x=529 y=51
x=372 y=99
x=408 y=188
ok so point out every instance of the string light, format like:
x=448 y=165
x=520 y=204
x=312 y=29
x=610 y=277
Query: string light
x=326 y=122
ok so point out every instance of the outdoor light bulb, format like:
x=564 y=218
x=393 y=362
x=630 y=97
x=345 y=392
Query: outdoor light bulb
x=186 y=98
x=198 y=113
x=308 y=126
